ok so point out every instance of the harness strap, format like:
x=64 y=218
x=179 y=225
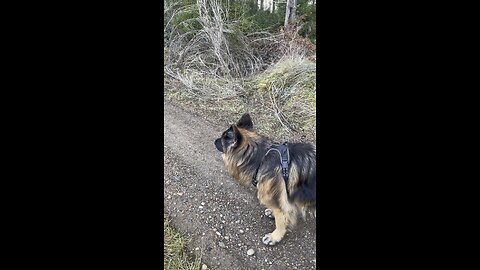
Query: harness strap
x=284 y=154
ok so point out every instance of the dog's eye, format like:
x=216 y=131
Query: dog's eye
x=229 y=135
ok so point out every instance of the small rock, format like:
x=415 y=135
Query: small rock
x=221 y=244
x=169 y=197
x=204 y=267
x=241 y=231
x=201 y=207
x=197 y=248
x=226 y=237
x=202 y=203
x=250 y=252
x=219 y=234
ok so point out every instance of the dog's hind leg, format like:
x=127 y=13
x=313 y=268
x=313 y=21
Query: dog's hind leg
x=280 y=230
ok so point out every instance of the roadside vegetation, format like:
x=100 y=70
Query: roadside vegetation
x=225 y=58
x=174 y=255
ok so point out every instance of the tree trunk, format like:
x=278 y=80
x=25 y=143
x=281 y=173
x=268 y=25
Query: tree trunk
x=287 y=14
x=293 y=13
x=290 y=11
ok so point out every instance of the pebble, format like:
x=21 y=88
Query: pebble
x=241 y=231
x=202 y=203
x=250 y=252
x=219 y=234
x=204 y=267
x=169 y=197
x=197 y=248
x=221 y=244
x=226 y=237
x=201 y=207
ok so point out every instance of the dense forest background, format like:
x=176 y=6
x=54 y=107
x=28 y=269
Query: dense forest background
x=228 y=57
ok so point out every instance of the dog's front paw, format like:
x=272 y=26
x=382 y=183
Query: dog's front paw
x=269 y=213
x=268 y=240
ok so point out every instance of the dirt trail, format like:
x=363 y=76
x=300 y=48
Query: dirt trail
x=210 y=207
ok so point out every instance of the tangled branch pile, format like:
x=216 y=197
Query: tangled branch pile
x=211 y=55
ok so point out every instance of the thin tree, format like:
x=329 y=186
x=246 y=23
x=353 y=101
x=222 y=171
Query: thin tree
x=290 y=11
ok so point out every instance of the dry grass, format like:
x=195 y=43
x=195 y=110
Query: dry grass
x=287 y=92
x=213 y=67
x=212 y=62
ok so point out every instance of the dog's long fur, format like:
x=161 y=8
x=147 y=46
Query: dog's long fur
x=243 y=151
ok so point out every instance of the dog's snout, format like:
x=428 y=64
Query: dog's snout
x=218 y=145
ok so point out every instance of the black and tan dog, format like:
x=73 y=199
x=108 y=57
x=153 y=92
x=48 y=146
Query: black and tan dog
x=288 y=189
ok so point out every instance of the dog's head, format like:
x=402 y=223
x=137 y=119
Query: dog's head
x=233 y=136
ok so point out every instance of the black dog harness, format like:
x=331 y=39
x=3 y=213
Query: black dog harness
x=282 y=150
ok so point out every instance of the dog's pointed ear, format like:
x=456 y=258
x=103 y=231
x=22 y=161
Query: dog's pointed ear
x=245 y=122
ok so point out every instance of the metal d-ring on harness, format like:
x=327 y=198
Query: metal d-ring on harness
x=282 y=150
